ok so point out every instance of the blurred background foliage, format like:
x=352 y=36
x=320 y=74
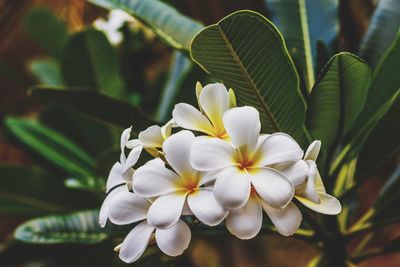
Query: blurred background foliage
x=67 y=90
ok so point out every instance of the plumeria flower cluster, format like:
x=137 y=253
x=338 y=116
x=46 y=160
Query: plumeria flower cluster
x=211 y=163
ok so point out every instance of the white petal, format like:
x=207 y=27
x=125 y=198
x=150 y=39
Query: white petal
x=232 y=98
x=205 y=207
x=328 y=204
x=245 y=222
x=126 y=207
x=175 y=240
x=105 y=207
x=296 y=172
x=272 y=186
x=278 y=148
x=135 y=243
x=154 y=179
x=166 y=130
x=286 y=220
x=232 y=188
x=313 y=151
x=243 y=127
x=114 y=177
x=124 y=139
x=151 y=137
x=214 y=100
x=132 y=158
x=211 y=154
x=177 y=152
x=133 y=143
x=188 y=117
x=310 y=191
x=166 y=210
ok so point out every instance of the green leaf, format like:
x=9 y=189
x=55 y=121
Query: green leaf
x=382 y=30
x=178 y=72
x=248 y=54
x=52 y=146
x=80 y=227
x=384 y=85
x=89 y=60
x=31 y=191
x=302 y=23
x=47 y=71
x=96 y=105
x=174 y=28
x=50 y=32
x=337 y=98
x=382 y=144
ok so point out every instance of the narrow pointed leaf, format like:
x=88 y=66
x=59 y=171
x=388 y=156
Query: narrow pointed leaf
x=382 y=30
x=174 y=28
x=248 y=54
x=337 y=98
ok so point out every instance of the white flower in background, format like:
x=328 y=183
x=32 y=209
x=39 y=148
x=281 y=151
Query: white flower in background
x=178 y=188
x=116 y=19
x=243 y=167
x=122 y=171
x=213 y=101
x=153 y=137
x=126 y=208
x=310 y=190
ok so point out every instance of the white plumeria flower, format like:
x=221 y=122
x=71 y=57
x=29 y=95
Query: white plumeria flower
x=310 y=190
x=243 y=164
x=213 y=101
x=116 y=19
x=153 y=137
x=122 y=171
x=126 y=208
x=178 y=188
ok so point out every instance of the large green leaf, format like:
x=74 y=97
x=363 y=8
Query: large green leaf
x=174 y=28
x=80 y=227
x=89 y=60
x=47 y=71
x=43 y=26
x=382 y=29
x=248 y=54
x=179 y=70
x=302 y=23
x=337 y=98
x=96 y=105
x=31 y=191
x=52 y=146
x=384 y=85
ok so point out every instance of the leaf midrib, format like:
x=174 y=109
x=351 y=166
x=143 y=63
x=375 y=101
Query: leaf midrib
x=250 y=81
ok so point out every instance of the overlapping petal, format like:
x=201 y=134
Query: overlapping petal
x=205 y=207
x=214 y=100
x=245 y=222
x=127 y=207
x=154 y=179
x=105 y=207
x=151 y=137
x=278 y=148
x=272 y=186
x=327 y=204
x=286 y=220
x=166 y=210
x=114 y=177
x=243 y=127
x=177 y=152
x=135 y=243
x=188 y=117
x=232 y=188
x=211 y=154
x=174 y=240
x=313 y=151
x=297 y=172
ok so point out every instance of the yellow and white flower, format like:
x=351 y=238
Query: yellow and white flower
x=182 y=186
x=213 y=101
x=127 y=208
x=310 y=190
